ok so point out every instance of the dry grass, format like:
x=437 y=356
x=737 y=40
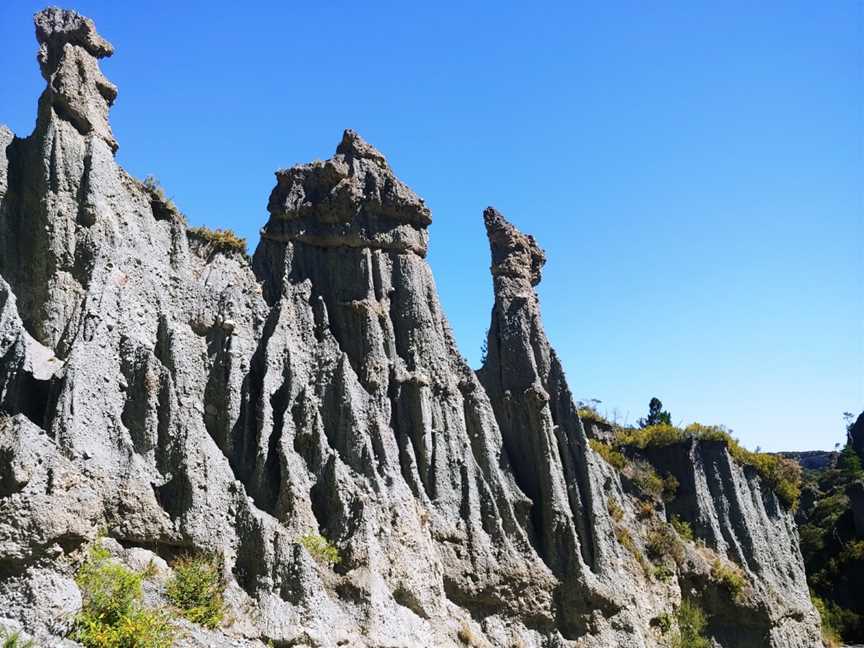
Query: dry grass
x=219 y=240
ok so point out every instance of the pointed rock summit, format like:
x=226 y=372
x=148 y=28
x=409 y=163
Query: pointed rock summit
x=353 y=199
x=513 y=254
x=77 y=91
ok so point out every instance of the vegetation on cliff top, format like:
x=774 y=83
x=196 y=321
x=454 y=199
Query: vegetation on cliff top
x=781 y=474
x=219 y=240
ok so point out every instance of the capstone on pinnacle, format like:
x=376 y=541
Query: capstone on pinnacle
x=514 y=254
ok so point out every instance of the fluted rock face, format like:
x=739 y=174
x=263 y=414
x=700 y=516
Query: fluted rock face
x=185 y=398
x=730 y=510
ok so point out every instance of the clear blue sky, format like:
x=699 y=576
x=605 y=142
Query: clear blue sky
x=694 y=170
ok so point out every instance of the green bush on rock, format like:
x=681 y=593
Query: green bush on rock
x=112 y=615
x=610 y=455
x=663 y=543
x=321 y=549
x=729 y=577
x=196 y=589
x=682 y=528
x=691 y=627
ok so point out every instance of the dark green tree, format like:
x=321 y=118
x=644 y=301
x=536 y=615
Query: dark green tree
x=656 y=414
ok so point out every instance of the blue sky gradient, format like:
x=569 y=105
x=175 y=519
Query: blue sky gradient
x=695 y=171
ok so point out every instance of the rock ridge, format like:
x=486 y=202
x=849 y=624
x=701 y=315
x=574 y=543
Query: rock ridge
x=183 y=402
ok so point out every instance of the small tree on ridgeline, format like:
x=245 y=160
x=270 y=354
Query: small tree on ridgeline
x=656 y=414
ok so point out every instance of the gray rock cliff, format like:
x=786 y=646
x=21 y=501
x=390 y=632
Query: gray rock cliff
x=182 y=397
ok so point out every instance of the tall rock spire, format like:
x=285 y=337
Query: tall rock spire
x=542 y=435
x=68 y=183
x=514 y=254
x=78 y=92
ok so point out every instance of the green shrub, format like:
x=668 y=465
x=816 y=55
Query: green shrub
x=151 y=183
x=10 y=639
x=840 y=564
x=320 y=549
x=662 y=621
x=812 y=539
x=663 y=573
x=112 y=615
x=219 y=240
x=829 y=509
x=646 y=480
x=154 y=188
x=662 y=543
x=196 y=589
x=683 y=528
x=849 y=463
x=729 y=577
x=691 y=627
x=609 y=454
x=653 y=436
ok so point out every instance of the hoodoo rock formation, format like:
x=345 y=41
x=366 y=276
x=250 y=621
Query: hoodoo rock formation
x=177 y=397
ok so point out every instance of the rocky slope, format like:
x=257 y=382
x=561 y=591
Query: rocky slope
x=179 y=397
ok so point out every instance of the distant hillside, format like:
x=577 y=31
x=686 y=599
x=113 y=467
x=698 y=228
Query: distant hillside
x=813 y=459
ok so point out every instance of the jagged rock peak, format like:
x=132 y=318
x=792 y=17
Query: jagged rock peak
x=353 y=199
x=514 y=254
x=354 y=183
x=55 y=27
x=69 y=49
x=353 y=146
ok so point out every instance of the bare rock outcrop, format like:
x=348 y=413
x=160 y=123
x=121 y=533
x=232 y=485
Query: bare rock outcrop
x=183 y=397
x=856 y=435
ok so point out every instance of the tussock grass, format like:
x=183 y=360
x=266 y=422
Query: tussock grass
x=219 y=240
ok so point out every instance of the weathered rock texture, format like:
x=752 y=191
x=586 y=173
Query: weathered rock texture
x=184 y=398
